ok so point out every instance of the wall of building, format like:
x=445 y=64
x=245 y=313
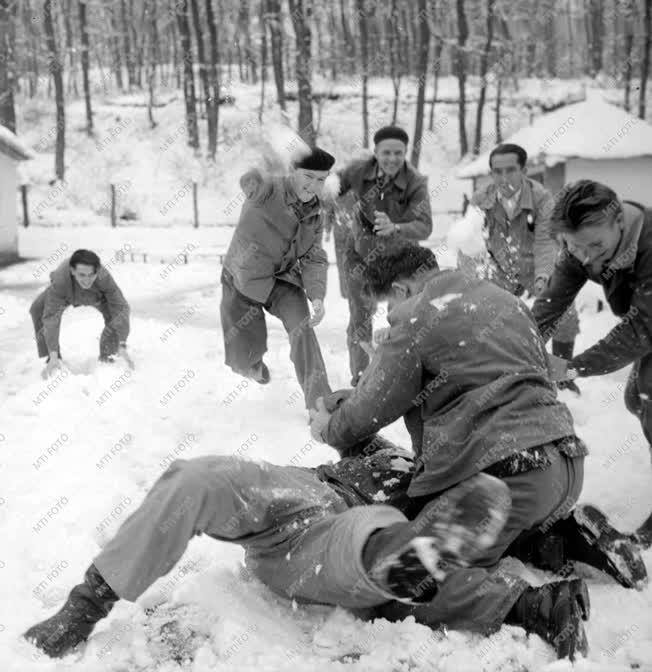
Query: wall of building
x=8 y=203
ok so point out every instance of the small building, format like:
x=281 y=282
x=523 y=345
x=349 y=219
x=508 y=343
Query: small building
x=11 y=152
x=592 y=140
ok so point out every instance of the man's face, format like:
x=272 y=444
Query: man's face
x=595 y=245
x=308 y=183
x=84 y=274
x=507 y=174
x=390 y=154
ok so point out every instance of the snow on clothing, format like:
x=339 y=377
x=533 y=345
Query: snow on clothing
x=521 y=248
x=274 y=260
x=406 y=201
x=104 y=294
x=627 y=284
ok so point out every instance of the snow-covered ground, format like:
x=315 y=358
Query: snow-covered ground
x=82 y=452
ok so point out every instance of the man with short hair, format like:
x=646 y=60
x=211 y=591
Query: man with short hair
x=276 y=262
x=392 y=207
x=521 y=249
x=80 y=280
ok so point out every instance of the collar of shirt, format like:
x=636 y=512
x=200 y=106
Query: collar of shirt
x=509 y=203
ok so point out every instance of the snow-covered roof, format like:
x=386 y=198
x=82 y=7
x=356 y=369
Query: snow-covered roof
x=12 y=146
x=592 y=129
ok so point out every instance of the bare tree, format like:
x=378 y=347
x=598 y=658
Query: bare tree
x=395 y=62
x=645 y=63
x=7 y=63
x=188 y=78
x=56 y=68
x=460 y=59
x=300 y=11
x=276 y=35
x=152 y=49
x=629 y=8
x=422 y=73
x=214 y=109
x=126 y=36
x=596 y=13
x=349 y=43
x=83 y=24
x=364 y=57
x=484 y=68
x=263 y=61
x=203 y=65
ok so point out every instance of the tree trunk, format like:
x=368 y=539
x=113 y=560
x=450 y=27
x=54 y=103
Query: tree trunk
x=439 y=47
x=7 y=63
x=364 y=58
x=484 y=67
x=333 y=44
x=188 y=77
x=645 y=63
x=129 y=56
x=422 y=73
x=460 y=58
x=203 y=65
x=550 y=41
x=85 y=66
x=597 y=33
x=214 y=110
x=395 y=65
x=70 y=49
x=349 y=43
x=499 y=100
x=56 y=67
x=263 y=61
x=629 y=53
x=152 y=43
x=116 y=52
x=276 y=33
x=300 y=11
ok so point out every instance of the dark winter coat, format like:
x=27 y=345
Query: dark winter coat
x=405 y=199
x=104 y=294
x=627 y=284
x=277 y=238
x=467 y=369
x=521 y=249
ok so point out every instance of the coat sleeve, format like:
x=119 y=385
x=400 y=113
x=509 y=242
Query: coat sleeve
x=55 y=304
x=567 y=278
x=417 y=224
x=545 y=246
x=314 y=267
x=631 y=338
x=118 y=307
x=385 y=392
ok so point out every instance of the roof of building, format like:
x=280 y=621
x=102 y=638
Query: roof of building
x=592 y=129
x=11 y=146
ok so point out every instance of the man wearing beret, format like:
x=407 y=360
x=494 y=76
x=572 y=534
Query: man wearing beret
x=392 y=205
x=276 y=262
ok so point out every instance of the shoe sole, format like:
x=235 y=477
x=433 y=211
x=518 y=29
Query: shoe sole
x=448 y=534
x=572 y=639
x=623 y=560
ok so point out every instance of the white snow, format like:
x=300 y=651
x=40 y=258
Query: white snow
x=11 y=144
x=442 y=302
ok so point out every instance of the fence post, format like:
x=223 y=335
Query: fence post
x=195 y=206
x=113 y=222
x=23 y=195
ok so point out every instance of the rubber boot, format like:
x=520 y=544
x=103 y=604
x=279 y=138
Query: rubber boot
x=407 y=560
x=87 y=603
x=555 y=612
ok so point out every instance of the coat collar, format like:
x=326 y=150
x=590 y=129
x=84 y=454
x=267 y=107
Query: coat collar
x=625 y=253
x=400 y=180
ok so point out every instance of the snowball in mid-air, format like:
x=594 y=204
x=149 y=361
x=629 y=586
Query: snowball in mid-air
x=466 y=234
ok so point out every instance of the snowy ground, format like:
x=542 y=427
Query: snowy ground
x=84 y=453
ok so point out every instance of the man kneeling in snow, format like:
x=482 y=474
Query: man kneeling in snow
x=80 y=280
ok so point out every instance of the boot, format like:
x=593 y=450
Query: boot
x=565 y=351
x=555 y=612
x=644 y=534
x=87 y=603
x=406 y=560
x=259 y=373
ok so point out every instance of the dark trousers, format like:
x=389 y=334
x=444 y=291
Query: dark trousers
x=109 y=339
x=638 y=394
x=341 y=234
x=245 y=334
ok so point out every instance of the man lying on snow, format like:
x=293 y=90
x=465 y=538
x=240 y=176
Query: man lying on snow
x=464 y=365
x=80 y=280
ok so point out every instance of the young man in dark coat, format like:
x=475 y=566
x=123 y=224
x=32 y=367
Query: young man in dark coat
x=392 y=206
x=608 y=241
x=276 y=262
x=521 y=249
x=80 y=280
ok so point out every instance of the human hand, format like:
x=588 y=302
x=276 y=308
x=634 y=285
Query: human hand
x=381 y=335
x=383 y=225
x=318 y=312
x=560 y=369
x=319 y=418
x=540 y=285
x=51 y=365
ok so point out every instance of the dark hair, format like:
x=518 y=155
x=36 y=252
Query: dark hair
x=583 y=203
x=509 y=148
x=409 y=261
x=85 y=257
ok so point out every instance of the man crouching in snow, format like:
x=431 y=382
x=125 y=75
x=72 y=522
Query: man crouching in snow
x=80 y=280
x=465 y=367
x=275 y=260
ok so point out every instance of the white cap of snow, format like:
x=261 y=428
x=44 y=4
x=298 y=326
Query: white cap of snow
x=12 y=146
x=592 y=129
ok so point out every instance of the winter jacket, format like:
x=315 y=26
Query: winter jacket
x=520 y=249
x=466 y=368
x=64 y=291
x=277 y=238
x=404 y=198
x=627 y=284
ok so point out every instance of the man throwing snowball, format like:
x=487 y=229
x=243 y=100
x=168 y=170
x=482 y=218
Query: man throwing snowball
x=81 y=280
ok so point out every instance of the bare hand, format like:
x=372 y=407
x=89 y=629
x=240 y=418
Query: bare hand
x=540 y=285
x=383 y=225
x=381 y=335
x=319 y=418
x=318 y=312
x=52 y=365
